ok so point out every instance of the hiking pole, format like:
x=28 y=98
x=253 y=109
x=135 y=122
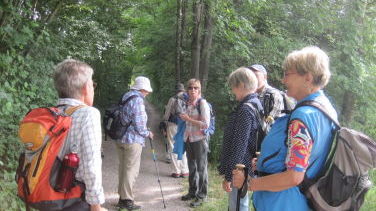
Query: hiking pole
x=156 y=167
x=239 y=167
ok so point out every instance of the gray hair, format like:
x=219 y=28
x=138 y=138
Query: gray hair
x=70 y=76
x=243 y=76
x=312 y=60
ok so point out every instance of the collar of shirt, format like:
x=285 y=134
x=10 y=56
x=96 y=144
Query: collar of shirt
x=247 y=98
x=193 y=103
x=312 y=96
x=69 y=101
x=135 y=92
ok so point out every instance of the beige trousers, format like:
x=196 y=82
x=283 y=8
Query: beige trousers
x=129 y=167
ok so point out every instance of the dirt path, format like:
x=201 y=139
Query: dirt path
x=147 y=191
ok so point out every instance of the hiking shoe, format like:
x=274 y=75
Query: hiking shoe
x=120 y=203
x=129 y=205
x=197 y=202
x=175 y=175
x=188 y=197
x=185 y=175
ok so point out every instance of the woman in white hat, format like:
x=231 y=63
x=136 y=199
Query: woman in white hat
x=129 y=147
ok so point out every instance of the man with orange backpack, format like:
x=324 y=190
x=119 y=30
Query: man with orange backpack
x=68 y=136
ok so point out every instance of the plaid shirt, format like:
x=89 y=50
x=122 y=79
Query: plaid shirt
x=86 y=138
x=278 y=106
x=171 y=107
x=192 y=132
x=135 y=112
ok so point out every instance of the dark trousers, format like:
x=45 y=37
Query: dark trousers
x=197 y=156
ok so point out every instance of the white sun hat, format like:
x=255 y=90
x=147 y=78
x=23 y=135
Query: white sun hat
x=142 y=82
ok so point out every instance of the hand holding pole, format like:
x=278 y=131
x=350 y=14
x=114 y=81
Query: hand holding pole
x=239 y=167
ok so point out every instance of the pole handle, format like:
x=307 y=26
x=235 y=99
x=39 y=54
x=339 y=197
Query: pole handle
x=240 y=166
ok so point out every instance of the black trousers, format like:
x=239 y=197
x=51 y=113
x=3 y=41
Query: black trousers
x=197 y=156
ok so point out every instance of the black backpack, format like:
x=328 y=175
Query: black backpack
x=344 y=180
x=268 y=102
x=177 y=98
x=260 y=133
x=112 y=124
x=174 y=117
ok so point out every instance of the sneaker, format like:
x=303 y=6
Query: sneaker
x=129 y=205
x=185 y=175
x=197 y=202
x=175 y=175
x=187 y=197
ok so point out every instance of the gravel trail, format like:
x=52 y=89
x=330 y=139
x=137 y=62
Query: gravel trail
x=147 y=191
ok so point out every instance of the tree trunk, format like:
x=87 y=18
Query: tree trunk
x=180 y=21
x=196 y=48
x=184 y=9
x=206 y=46
x=355 y=10
x=348 y=105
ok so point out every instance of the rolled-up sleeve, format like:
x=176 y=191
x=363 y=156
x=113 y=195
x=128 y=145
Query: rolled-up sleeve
x=90 y=160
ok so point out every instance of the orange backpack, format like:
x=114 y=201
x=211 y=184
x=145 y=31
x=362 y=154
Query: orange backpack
x=43 y=132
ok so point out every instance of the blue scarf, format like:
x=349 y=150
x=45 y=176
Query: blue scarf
x=179 y=147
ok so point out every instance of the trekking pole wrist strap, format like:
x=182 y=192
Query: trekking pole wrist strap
x=244 y=188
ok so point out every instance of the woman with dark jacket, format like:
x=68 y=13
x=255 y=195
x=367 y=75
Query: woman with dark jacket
x=239 y=140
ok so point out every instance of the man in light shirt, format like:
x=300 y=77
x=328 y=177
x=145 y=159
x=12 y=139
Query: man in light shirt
x=170 y=117
x=75 y=87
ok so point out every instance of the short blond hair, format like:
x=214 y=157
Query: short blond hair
x=312 y=60
x=243 y=76
x=194 y=81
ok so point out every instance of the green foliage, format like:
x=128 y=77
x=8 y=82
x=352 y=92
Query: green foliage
x=123 y=39
x=9 y=151
x=217 y=197
x=370 y=199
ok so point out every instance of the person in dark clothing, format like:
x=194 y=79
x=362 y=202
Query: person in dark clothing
x=239 y=143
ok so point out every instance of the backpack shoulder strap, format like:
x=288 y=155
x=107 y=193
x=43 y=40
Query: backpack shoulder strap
x=72 y=109
x=319 y=106
x=127 y=100
x=257 y=112
x=198 y=106
x=308 y=182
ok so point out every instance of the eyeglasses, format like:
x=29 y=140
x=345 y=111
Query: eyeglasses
x=193 y=88
x=287 y=74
